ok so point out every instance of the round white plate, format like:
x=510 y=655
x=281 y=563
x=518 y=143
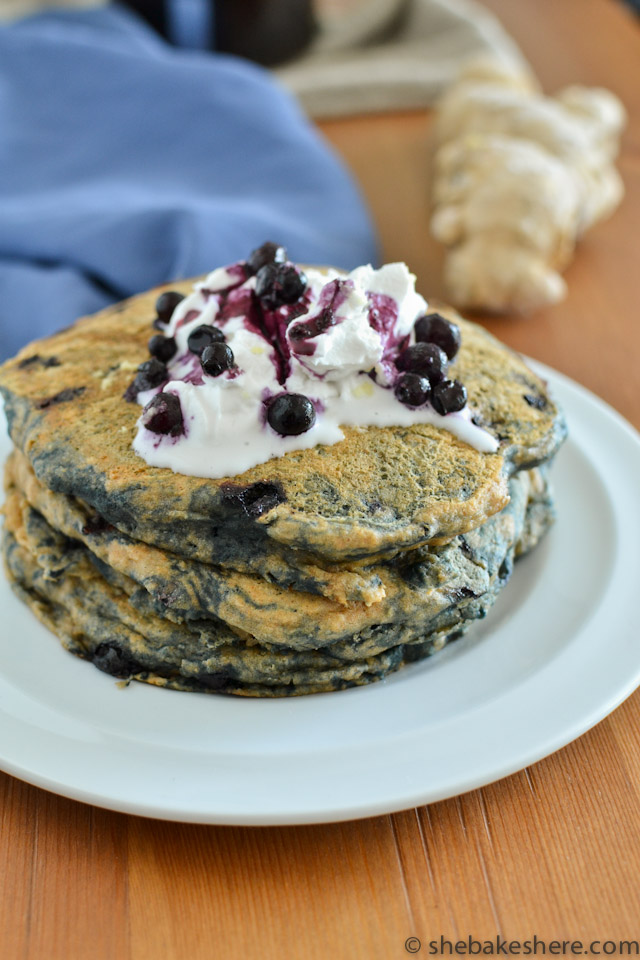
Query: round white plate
x=558 y=652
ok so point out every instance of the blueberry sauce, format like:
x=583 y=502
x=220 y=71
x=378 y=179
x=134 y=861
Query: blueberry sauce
x=239 y=302
x=188 y=317
x=383 y=317
x=273 y=325
x=331 y=299
x=238 y=273
x=194 y=373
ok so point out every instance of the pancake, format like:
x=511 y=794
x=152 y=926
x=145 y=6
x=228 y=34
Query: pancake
x=99 y=613
x=379 y=492
x=79 y=521
x=414 y=591
x=317 y=570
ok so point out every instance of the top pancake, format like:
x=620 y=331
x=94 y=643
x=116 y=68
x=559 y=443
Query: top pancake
x=380 y=491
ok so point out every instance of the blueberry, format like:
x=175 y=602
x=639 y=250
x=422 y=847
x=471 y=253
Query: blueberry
x=256 y=499
x=163 y=415
x=425 y=358
x=267 y=253
x=95 y=524
x=36 y=358
x=449 y=396
x=110 y=658
x=150 y=374
x=291 y=414
x=216 y=358
x=202 y=336
x=166 y=304
x=412 y=389
x=434 y=328
x=64 y=396
x=278 y=283
x=535 y=400
x=219 y=681
x=163 y=348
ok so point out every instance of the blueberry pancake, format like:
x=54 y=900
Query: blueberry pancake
x=79 y=521
x=278 y=481
x=101 y=614
x=415 y=588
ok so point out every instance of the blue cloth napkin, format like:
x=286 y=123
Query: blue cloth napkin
x=126 y=162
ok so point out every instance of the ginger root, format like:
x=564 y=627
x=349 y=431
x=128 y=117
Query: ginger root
x=519 y=177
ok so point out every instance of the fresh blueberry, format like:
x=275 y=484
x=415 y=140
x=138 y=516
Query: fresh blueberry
x=111 y=658
x=150 y=374
x=166 y=304
x=412 y=389
x=427 y=359
x=163 y=415
x=216 y=358
x=279 y=283
x=433 y=328
x=267 y=253
x=291 y=414
x=163 y=348
x=202 y=336
x=449 y=396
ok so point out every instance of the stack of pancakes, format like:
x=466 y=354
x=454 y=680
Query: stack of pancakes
x=318 y=570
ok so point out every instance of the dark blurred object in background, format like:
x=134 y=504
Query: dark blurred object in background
x=269 y=32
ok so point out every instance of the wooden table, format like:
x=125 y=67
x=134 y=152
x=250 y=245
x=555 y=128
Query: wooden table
x=553 y=851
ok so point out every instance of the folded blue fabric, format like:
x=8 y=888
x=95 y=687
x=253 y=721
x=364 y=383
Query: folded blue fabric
x=125 y=163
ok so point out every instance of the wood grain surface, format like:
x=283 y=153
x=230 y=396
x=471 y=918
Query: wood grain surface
x=553 y=851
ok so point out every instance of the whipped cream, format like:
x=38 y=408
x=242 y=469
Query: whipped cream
x=336 y=346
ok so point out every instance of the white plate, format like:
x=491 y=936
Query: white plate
x=558 y=652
